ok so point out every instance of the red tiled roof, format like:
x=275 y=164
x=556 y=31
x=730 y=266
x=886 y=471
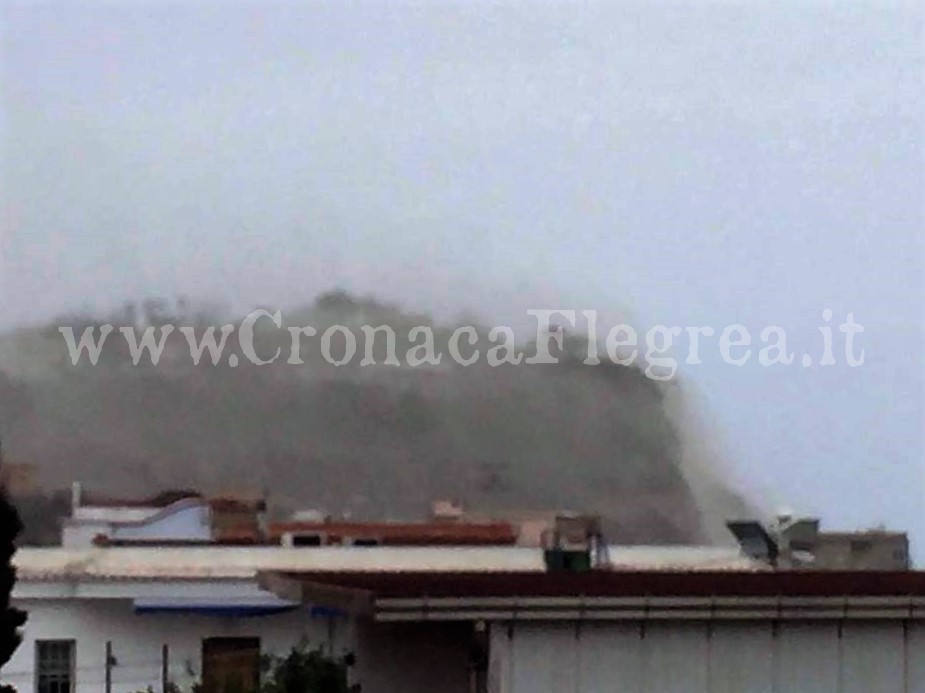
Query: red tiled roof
x=237 y=536
x=237 y=504
x=404 y=534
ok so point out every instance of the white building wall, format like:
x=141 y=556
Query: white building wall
x=606 y=647
x=81 y=534
x=544 y=657
x=697 y=657
x=915 y=661
x=742 y=658
x=110 y=514
x=872 y=657
x=675 y=657
x=806 y=658
x=137 y=640
x=191 y=523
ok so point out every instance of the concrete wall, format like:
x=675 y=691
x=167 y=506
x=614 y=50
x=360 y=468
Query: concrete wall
x=188 y=519
x=191 y=522
x=728 y=657
x=884 y=656
x=111 y=514
x=862 y=551
x=138 y=638
x=81 y=534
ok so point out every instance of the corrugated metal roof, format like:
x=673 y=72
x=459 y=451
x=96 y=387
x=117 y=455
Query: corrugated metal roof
x=213 y=562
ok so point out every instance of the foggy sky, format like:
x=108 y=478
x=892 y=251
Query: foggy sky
x=682 y=164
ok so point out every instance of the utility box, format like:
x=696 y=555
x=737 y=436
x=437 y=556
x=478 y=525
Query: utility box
x=571 y=544
x=559 y=561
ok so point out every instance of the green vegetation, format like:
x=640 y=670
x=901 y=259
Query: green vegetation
x=11 y=619
x=304 y=669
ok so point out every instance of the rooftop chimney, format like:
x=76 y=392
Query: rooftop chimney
x=309 y=515
x=446 y=511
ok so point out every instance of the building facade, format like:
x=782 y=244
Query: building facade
x=169 y=613
x=181 y=590
x=637 y=631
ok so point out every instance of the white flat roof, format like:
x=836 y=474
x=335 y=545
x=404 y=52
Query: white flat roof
x=243 y=563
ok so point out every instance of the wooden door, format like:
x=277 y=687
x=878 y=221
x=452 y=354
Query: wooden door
x=230 y=665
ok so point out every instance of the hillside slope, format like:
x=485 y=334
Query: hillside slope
x=369 y=441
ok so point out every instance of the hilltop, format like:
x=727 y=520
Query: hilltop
x=377 y=441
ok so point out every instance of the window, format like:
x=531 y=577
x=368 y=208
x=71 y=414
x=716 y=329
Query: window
x=54 y=666
x=806 y=546
x=861 y=545
x=366 y=541
x=306 y=540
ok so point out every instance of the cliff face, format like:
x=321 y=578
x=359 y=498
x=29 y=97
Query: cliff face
x=370 y=441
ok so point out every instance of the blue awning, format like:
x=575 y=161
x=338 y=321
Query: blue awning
x=236 y=607
x=325 y=612
x=226 y=610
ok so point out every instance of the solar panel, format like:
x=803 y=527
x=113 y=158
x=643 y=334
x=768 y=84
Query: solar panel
x=754 y=539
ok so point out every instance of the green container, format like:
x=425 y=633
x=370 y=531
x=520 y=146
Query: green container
x=558 y=560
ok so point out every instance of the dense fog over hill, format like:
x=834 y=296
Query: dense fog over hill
x=367 y=441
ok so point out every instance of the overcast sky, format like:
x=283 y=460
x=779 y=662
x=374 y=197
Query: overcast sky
x=684 y=164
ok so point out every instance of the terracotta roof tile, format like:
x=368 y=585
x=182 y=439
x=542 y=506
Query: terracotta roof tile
x=435 y=533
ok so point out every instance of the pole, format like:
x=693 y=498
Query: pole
x=165 y=667
x=109 y=666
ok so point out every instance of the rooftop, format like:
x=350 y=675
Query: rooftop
x=244 y=563
x=160 y=500
x=634 y=595
x=635 y=583
x=402 y=533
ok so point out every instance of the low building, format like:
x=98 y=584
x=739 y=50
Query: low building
x=631 y=630
x=184 y=589
x=163 y=517
x=189 y=518
x=170 y=609
x=875 y=549
x=343 y=533
x=797 y=543
x=177 y=516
